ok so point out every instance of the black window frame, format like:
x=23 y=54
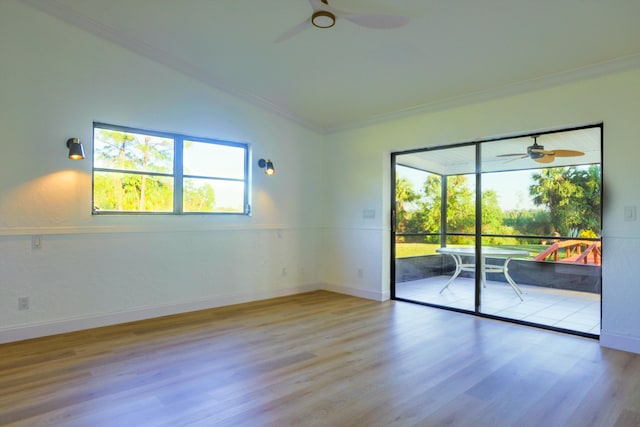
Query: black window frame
x=178 y=176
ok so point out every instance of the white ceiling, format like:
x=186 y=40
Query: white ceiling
x=461 y=159
x=450 y=53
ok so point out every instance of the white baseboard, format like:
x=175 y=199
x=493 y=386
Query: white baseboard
x=35 y=330
x=356 y=292
x=620 y=342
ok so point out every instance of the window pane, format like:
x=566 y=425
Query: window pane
x=132 y=151
x=211 y=195
x=212 y=160
x=123 y=192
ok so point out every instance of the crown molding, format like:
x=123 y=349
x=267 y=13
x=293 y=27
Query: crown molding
x=556 y=79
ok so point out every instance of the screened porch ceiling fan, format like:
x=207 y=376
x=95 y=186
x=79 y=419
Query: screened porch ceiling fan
x=325 y=16
x=537 y=153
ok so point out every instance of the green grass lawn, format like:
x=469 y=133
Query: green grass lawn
x=406 y=250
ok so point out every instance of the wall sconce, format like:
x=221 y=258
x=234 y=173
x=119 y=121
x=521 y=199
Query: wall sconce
x=76 y=152
x=267 y=165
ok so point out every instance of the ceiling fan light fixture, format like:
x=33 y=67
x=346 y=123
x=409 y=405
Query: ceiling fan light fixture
x=323 y=19
x=536 y=151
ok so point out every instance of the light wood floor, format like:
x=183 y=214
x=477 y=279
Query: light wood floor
x=318 y=359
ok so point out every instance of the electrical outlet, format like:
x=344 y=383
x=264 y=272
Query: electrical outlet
x=360 y=273
x=284 y=271
x=23 y=303
x=36 y=242
x=368 y=214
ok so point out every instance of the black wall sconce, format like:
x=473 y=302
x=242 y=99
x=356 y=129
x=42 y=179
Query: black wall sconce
x=267 y=165
x=76 y=152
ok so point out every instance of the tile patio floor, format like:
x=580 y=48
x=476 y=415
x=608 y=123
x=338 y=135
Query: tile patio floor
x=578 y=311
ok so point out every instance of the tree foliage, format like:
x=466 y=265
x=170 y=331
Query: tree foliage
x=571 y=195
x=198 y=198
x=133 y=176
x=461 y=211
x=568 y=200
x=405 y=197
x=460 y=208
x=530 y=222
x=493 y=220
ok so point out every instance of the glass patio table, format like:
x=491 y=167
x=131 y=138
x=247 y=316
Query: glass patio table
x=507 y=254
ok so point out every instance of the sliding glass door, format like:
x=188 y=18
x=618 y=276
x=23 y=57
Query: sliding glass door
x=507 y=228
x=435 y=211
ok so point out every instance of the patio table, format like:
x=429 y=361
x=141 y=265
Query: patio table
x=507 y=254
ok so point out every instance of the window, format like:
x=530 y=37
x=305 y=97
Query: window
x=139 y=171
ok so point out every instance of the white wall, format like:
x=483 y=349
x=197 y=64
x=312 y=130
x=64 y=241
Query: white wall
x=55 y=80
x=358 y=168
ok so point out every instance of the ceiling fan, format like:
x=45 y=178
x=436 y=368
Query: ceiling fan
x=325 y=16
x=537 y=153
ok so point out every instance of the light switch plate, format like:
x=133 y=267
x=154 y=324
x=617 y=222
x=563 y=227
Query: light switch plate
x=629 y=213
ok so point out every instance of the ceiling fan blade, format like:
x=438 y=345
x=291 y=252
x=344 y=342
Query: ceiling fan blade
x=545 y=159
x=295 y=30
x=317 y=5
x=513 y=154
x=524 y=156
x=567 y=153
x=373 y=20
